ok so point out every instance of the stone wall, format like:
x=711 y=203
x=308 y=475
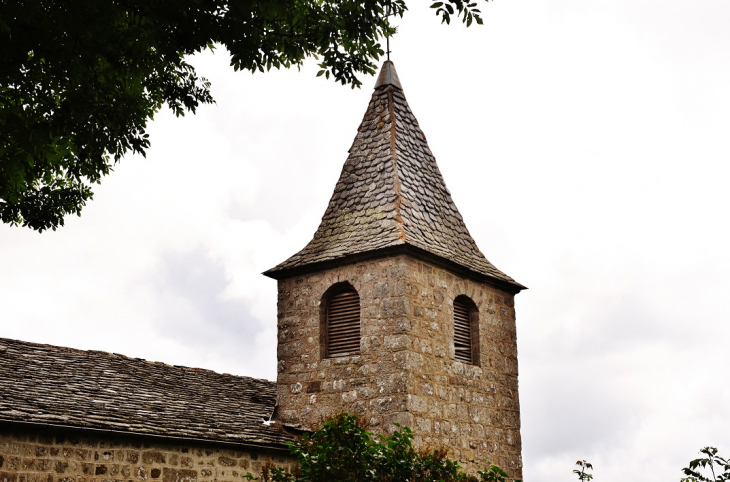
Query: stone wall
x=406 y=371
x=43 y=456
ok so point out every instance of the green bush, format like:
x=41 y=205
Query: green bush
x=344 y=450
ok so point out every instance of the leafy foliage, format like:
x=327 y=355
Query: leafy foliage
x=468 y=11
x=344 y=450
x=493 y=474
x=582 y=474
x=711 y=461
x=79 y=80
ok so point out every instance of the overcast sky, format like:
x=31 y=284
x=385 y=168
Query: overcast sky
x=586 y=144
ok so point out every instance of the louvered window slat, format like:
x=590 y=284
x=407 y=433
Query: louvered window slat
x=462 y=332
x=343 y=324
x=344 y=314
x=345 y=340
x=343 y=330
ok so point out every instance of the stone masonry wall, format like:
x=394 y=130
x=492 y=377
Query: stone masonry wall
x=406 y=371
x=34 y=456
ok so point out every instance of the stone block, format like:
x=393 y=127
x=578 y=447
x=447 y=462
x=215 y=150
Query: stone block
x=359 y=408
x=380 y=289
x=349 y=396
x=396 y=342
x=404 y=419
x=382 y=405
x=391 y=383
x=393 y=307
x=153 y=457
x=417 y=404
x=371 y=343
x=179 y=475
x=450 y=412
x=423 y=425
x=224 y=461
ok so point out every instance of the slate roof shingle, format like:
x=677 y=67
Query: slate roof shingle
x=54 y=385
x=392 y=193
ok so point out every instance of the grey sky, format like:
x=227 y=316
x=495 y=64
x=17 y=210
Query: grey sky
x=586 y=145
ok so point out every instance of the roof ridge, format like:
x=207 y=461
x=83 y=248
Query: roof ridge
x=394 y=159
x=112 y=355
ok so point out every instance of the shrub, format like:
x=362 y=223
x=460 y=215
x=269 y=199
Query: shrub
x=342 y=449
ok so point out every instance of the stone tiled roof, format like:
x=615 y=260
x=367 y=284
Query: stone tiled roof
x=391 y=193
x=91 y=389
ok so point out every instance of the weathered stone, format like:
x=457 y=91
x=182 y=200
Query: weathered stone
x=132 y=456
x=227 y=461
x=80 y=460
x=8 y=477
x=179 y=475
x=60 y=467
x=153 y=457
x=412 y=372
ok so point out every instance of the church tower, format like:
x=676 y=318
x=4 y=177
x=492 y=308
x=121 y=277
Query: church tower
x=391 y=312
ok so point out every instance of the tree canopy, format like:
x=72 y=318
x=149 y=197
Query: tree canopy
x=80 y=80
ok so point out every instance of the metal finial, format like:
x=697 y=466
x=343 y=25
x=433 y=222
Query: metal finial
x=387 y=36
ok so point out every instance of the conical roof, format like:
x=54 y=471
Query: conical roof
x=391 y=195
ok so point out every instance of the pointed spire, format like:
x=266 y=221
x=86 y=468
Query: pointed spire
x=388 y=76
x=391 y=196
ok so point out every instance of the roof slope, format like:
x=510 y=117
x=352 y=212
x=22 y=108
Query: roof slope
x=392 y=193
x=92 y=389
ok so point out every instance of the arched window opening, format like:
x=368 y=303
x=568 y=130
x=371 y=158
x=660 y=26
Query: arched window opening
x=466 y=339
x=343 y=323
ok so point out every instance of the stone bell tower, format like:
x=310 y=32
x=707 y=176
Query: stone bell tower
x=391 y=312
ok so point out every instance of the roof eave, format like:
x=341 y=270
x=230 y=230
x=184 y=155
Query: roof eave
x=273 y=446
x=288 y=272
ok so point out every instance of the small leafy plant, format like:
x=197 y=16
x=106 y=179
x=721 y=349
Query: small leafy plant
x=711 y=461
x=582 y=474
